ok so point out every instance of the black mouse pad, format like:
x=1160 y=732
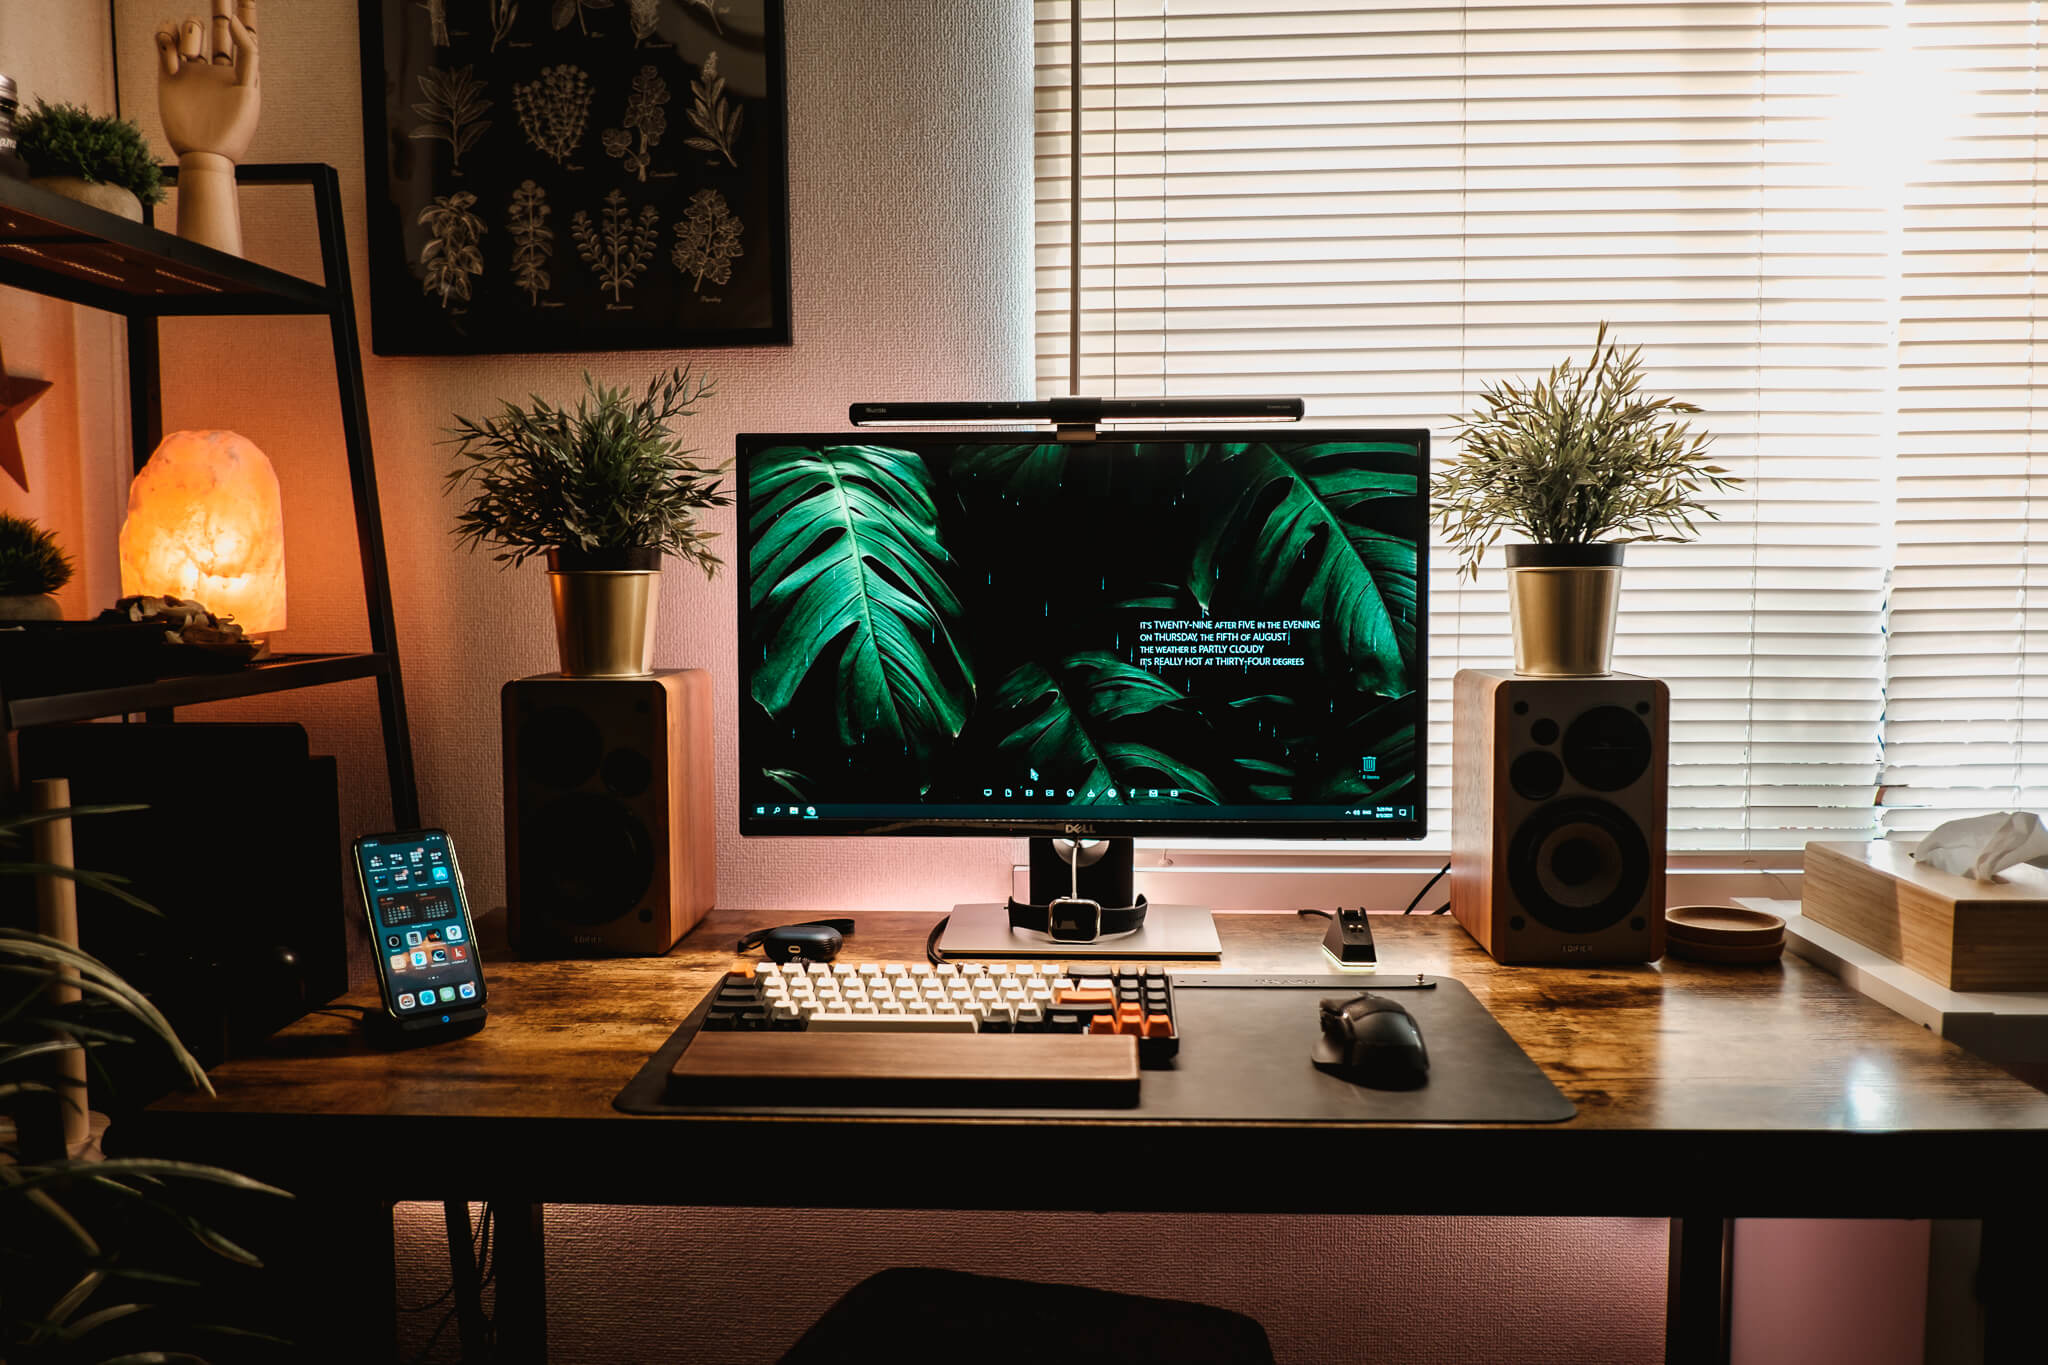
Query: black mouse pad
x=1244 y=1054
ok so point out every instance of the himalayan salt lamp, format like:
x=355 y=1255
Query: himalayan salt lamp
x=206 y=523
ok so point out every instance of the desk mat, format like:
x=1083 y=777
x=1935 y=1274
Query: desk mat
x=1244 y=1055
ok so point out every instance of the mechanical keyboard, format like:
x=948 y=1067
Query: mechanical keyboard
x=954 y=1033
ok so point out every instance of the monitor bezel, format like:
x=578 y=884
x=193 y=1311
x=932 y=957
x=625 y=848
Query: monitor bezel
x=1120 y=826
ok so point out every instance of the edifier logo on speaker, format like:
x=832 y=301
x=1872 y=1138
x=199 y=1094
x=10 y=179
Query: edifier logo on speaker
x=1578 y=947
x=1079 y=829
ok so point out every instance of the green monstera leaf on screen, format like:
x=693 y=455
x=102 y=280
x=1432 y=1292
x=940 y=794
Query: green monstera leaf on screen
x=1027 y=474
x=1075 y=722
x=847 y=573
x=1297 y=543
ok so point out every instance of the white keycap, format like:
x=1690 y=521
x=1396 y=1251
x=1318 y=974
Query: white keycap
x=918 y=1007
x=1061 y=983
x=948 y=969
x=893 y=1023
x=891 y=1007
x=763 y=970
x=920 y=969
x=871 y=969
x=974 y=969
x=895 y=969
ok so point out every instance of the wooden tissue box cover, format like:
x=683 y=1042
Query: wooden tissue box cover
x=1965 y=934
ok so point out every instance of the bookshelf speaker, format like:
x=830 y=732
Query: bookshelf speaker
x=1557 y=815
x=609 y=845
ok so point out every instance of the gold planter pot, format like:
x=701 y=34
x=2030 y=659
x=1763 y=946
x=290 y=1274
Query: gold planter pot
x=1561 y=605
x=604 y=617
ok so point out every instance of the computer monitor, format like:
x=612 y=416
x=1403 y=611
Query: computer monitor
x=1197 y=632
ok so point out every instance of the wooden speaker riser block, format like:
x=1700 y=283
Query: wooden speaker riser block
x=1558 y=802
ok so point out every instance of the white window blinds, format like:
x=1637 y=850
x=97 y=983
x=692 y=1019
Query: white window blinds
x=1381 y=207
x=1966 y=715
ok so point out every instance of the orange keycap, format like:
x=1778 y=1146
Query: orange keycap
x=1102 y=1023
x=1132 y=1015
x=1075 y=996
x=1158 y=1026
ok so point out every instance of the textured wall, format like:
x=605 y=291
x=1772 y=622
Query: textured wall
x=65 y=435
x=910 y=205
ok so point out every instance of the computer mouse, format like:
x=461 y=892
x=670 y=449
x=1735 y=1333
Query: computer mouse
x=1373 y=1041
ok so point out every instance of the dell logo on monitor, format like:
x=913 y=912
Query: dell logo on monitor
x=1078 y=829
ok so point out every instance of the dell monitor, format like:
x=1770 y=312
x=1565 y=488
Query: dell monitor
x=1203 y=632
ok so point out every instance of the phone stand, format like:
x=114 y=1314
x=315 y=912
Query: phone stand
x=432 y=1027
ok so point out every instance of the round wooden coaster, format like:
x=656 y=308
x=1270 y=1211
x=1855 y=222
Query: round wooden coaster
x=1723 y=924
x=1727 y=954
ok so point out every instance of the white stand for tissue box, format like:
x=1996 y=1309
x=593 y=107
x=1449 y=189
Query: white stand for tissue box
x=1963 y=934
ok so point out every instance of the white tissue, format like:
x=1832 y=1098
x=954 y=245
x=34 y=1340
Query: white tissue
x=1982 y=845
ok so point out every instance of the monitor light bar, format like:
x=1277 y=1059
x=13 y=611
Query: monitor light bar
x=1073 y=412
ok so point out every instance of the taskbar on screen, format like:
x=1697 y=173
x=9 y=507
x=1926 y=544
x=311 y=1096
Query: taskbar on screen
x=1036 y=812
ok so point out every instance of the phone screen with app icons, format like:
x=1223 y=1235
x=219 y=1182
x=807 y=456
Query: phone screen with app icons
x=419 y=923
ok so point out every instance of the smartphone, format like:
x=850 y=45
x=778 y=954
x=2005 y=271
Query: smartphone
x=420 y=928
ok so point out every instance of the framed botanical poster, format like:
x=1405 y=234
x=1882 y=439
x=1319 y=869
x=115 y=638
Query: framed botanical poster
x=575 y=175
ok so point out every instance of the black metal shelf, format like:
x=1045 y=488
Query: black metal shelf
x=52 y=246
x=279 y=673
x=67 y=250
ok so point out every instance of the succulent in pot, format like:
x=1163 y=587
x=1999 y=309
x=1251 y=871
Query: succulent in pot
x=1581 y=462
x=604 y=491
x=31 y=569
x=104 y=162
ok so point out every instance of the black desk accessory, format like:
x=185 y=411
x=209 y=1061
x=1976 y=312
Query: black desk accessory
x=1241 y=1059
x=420 y=1030
x=1373 y=1041
x=1170 y=931
x=815 y=940
x=1348 y=944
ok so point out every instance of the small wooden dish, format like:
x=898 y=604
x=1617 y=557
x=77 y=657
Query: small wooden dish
x=1723 y=925
x=1726 y=954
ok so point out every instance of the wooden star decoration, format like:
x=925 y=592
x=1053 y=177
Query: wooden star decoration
x=16 y=397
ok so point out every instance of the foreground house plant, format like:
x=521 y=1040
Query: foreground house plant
x=1581 y=463
x=604 y=492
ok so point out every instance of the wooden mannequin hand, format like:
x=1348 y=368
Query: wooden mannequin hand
x=209 y=104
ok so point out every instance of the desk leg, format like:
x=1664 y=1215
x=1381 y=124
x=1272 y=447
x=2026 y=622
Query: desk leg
x=520 y=1255
x=2010 y=1266
x=1696 y=1302
x=337 y=1274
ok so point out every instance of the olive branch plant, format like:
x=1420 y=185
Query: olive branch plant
x=609 y=474
x=1580 y=456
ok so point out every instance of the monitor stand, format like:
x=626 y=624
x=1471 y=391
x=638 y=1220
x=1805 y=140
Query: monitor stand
x=1104 y=871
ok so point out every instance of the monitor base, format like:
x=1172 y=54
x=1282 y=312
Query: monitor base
x=1169 y=931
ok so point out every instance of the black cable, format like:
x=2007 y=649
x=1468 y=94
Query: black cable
x=931 y=943
x=1323 y=913
x=1443 y=909
x=1442 y=872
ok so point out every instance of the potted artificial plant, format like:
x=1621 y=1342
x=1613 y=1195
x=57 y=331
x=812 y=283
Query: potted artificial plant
x=604 y=492
x=31 y=568
x=103 y=162
x=1581 y=463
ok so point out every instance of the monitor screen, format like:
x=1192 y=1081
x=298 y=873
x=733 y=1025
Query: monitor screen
x=1216 y=633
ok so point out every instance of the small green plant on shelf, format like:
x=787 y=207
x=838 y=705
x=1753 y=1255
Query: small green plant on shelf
x=30 y=562
x=64 y=139
x=1579 y=457
x=608 y=475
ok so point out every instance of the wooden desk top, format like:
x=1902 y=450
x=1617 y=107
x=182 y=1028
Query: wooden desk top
x=1774 y=1089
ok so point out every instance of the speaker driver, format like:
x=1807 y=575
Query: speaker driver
x=559 y=747
x=590 y=858
x=1607 y=748
x=1578 y=866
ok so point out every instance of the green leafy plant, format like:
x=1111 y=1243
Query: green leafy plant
x=850 y=579
x=609 y=475
x=75 y=1233
x=1076 y=719
x=1295 y=541
x=1579 y=457
x=30 y=562
x=64 y=139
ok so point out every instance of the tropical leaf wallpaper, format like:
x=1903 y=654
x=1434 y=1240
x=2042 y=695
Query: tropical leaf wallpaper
x=942 y=622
